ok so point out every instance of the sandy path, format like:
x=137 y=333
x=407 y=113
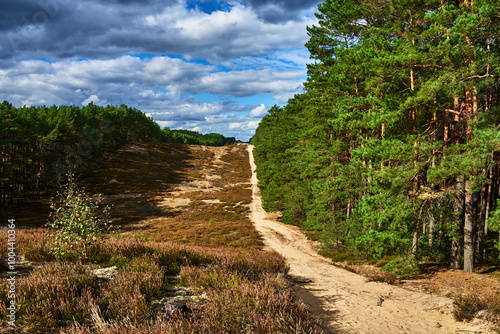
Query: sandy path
x=345 y=302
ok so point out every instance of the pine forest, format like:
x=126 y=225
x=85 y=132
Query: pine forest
x=393 y=148
x=41 y=145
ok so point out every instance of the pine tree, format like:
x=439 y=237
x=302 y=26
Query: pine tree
x=394 y=145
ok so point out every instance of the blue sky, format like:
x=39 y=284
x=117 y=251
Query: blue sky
x=208 y=66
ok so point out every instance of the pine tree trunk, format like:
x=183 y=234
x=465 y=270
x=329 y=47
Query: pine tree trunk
x=432 y=226
x=414 y=242
x=481 y=225
x=471 y=200
x=482 y=220
x=457 y=237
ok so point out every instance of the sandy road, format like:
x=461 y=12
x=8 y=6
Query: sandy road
x=345 y=302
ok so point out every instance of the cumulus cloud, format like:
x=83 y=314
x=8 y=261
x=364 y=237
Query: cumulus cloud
x=64 y=29
x=94 y=99
x=260 y=111
x=188 y=64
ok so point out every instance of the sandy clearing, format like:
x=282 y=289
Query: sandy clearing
x=345 y=302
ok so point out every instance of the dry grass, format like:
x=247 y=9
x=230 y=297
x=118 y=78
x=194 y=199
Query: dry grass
x=468 y=307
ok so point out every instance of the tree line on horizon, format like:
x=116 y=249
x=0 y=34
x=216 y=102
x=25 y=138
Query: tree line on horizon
x=393 y=149
x=39 y=145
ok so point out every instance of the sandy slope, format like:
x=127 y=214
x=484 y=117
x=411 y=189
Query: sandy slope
x=345 y=302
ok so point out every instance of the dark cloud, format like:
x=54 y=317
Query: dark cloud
x=204 y=65
x=14 y=13
x=61 y=29
x=277 y=11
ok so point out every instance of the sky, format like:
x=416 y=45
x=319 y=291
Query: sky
x=206 y=66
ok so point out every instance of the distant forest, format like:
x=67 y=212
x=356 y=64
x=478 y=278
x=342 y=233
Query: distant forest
x=41 y=144
x=394 y=147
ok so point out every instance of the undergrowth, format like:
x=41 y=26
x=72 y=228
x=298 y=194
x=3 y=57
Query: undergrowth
x=470 y=306
x=245 y=288
x=208 y=248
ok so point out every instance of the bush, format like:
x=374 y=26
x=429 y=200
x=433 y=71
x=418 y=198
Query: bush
x=35 y=244
x=243 y=306
x=55 y=295
x=145 y=272
x=466 y=307
x=405 y=267
x=78 y=221
x=4 y=250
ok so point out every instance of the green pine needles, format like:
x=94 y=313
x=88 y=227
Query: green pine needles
x=79 y=222
x=393 y=149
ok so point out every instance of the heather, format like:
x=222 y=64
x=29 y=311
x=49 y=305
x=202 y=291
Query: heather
x=230 y=290
x=182 y=255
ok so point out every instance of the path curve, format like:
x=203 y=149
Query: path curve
x=345 y=302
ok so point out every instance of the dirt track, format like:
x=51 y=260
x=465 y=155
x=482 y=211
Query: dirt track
x=345 y=302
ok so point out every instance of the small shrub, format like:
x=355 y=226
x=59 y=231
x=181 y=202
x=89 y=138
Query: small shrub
x=4 y=250
x=337 y=256
x=122 y=300
x=389 y=278
x=127 y=247
x=4 y=301
x=254 y=264
x=405 y=267
x=35 y=244
x=493 y=303
x=78 y=221
x=266 y=306
x=467 y=306
x=212 y=277
x=119 y=261
x=55 y=295
x=145 y=272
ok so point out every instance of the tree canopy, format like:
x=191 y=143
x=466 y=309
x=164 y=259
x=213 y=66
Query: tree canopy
x=39 y=145
x=393 y=148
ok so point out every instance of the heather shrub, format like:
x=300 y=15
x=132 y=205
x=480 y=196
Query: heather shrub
x=253 y=264
x=158 y=326
x=128 y=295
x=145 y=272
x=122 y=300
x=54 y=295
x=260 y=307
x=35 y=244
x=118 y=260
x=211 y=277
x=493 y=303
x=467 y=306
x=252 y=307
x=168 y=255
x=124 y=247
x=172 y=257
x=245 y=292
x=3 y=248
x=3 y=298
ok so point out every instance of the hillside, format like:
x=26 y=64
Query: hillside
x=183 y=257
x=188 y=211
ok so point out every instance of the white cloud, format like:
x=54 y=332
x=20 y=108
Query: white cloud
x=116 y=52
x=260 y=111
x=95 y=99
